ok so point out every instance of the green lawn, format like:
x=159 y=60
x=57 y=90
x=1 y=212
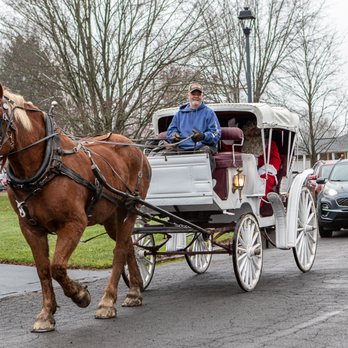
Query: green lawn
x=96 y=253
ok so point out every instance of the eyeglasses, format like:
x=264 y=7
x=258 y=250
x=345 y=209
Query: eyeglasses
x=196 y=93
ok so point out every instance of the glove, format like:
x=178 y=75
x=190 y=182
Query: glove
x=176 y=137
x=197 y=136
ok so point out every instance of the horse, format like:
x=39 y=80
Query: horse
x=60 y=185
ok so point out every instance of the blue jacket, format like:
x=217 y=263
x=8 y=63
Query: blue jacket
x=202 y=119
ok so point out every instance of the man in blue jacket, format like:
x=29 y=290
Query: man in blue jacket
x=197 y=120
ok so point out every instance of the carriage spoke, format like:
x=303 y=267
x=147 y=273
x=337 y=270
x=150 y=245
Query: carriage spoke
x=143 y=271
x=311 y=237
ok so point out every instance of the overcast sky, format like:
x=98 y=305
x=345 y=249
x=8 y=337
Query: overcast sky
x=337 y=15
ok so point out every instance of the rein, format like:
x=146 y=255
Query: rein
x=33 y=144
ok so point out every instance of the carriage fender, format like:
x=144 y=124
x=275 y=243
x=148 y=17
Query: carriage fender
x=293 y=206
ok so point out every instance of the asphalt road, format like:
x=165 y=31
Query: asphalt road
x=287 y=309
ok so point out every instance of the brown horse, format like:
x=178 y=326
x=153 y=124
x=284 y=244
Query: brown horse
x=57 y=186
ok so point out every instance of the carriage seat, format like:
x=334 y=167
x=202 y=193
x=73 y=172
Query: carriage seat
x=231 y=139
x=231 y=136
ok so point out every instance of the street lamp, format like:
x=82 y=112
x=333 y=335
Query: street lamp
x=246 y=19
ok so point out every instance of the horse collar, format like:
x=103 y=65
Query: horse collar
x=41 y=175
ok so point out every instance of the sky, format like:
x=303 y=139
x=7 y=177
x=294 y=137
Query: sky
x=337 y=17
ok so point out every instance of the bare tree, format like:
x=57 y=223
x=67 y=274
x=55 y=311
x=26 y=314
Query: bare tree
x=313 y=89
x=109 y=55
x=221 y=62
x=19 y=58
x=273 y=39
x=276 y=29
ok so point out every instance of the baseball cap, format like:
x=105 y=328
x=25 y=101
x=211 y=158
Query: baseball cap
x=194 y=86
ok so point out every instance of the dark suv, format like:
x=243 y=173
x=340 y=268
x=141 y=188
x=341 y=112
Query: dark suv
x=321 y=169
x=332 y=202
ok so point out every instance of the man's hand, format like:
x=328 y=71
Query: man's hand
x=197 y=136
x=176 y=137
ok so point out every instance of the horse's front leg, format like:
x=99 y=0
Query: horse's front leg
x=124 y=226
x=38 y=243
x=68 y=238
x=134 y=297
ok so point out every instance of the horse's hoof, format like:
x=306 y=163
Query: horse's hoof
x=43 y=325
x=132 y=302
x=104 y=312
x=83 y=299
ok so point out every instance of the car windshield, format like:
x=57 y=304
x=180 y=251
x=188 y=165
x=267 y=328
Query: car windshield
x=325 y=170
x=339 y=172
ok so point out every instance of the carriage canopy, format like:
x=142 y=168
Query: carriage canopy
x=267 y=116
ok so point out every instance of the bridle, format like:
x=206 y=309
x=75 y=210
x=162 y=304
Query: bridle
x=7 y=131
x=7 y=119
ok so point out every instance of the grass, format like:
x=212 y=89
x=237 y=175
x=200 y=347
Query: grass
x=95 y=254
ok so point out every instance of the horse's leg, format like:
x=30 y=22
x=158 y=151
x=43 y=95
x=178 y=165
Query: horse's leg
x=67 y=239
x=38 y=243
x=122 y=225
x=134 y=297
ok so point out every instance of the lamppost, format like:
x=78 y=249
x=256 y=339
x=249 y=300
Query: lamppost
x=246 y=19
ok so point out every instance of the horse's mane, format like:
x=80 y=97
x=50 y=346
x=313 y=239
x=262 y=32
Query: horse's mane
x=19 y=114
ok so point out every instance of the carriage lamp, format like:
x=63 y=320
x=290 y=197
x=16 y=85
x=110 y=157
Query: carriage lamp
x=238 y=182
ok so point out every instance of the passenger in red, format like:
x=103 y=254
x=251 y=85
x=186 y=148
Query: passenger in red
x=269 y=171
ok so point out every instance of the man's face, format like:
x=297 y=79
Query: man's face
x=195 y=99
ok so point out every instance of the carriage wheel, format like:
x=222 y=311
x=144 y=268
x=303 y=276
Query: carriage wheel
x=146 y=262
x=307 y=232
x=199 y=263
x=247 y=252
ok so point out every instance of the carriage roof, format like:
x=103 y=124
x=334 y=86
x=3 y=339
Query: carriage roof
x=267 y=116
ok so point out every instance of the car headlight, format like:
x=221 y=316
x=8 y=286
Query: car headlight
x=330 y=192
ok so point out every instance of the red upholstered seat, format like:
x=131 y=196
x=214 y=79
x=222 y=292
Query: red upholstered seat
x=225 y=160
x=230 y=136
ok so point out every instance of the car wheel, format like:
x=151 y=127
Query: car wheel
x=325 y=233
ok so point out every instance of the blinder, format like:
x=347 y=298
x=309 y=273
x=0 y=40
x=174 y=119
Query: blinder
x=6 y=120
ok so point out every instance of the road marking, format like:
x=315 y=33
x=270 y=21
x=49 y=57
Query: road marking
x=311 y=322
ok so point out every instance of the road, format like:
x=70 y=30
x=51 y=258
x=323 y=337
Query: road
x=287 y=309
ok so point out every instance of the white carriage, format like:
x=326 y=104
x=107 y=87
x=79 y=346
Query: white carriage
x=195 y=210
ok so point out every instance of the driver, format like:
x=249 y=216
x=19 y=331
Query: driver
x=197 y=122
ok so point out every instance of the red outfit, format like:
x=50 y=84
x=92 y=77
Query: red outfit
x=272 y=170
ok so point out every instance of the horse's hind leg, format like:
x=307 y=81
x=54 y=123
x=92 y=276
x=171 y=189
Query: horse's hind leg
x=67 y=240
x=38 y=243
x=122 y=225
